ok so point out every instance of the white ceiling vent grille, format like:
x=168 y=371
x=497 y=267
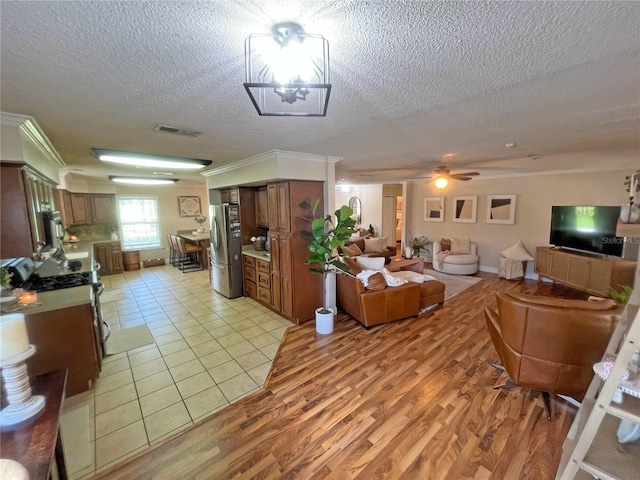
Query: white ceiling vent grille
x=176 y=130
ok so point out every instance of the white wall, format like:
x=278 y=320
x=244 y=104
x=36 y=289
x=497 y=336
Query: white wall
x=535 y=197
x=371 y=198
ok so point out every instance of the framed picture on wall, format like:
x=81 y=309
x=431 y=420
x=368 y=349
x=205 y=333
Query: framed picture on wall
x=189 y=206
x=464 y=208
x=434 y=209
x=501 y=209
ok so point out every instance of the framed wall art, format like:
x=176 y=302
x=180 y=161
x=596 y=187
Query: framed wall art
x=464 y=208
x=434 y=209
x=501 y=209
x=189 y=206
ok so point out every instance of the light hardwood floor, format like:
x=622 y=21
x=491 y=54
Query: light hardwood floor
x=413 y=399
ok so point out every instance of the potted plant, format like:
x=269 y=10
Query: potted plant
x=112 y=230
x=200 y=221
x=326 y=235
x=5 y=285
x=621 y=297
x=418 y=243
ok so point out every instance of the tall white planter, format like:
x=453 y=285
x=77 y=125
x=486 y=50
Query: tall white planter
x=324 y=321
x=330 y=292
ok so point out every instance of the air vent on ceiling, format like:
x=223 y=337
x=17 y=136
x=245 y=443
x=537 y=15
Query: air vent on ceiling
x=176 y=130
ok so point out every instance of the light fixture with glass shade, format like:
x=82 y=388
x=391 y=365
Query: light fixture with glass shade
x=441 y=183
x=150 y=161
x=287 y=72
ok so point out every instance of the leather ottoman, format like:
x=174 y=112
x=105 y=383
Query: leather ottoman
x=431 y=292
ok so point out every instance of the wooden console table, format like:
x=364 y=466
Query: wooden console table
x=35 y=443
x=592 y=274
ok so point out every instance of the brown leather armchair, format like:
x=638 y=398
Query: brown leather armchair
x=550 y=344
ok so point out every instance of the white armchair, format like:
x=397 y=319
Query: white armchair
x=456 y=263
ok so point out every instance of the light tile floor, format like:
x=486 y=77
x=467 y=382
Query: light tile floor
x=208 y=352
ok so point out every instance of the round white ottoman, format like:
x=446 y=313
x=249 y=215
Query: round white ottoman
x=460 y=264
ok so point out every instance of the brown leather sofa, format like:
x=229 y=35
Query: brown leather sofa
x=372 y=308
x=550 y=344
x=388 y=253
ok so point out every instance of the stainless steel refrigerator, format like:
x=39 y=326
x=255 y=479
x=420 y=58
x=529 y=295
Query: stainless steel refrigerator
x=226 y=250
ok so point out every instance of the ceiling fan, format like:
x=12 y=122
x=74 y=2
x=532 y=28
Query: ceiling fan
x=443 y=174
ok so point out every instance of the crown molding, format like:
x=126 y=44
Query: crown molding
x=29 y=126
x=270 y=155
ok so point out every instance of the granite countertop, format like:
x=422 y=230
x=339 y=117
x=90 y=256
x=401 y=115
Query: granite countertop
x=259 y=254
x=53 y=300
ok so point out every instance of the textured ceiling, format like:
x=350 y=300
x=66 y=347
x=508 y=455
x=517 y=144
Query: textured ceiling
x=412 y=81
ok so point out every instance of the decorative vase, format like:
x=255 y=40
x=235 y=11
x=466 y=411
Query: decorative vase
x=200 y=229
x=408 y=252
x=114 y=237
x=324 y=321
x=629 y=213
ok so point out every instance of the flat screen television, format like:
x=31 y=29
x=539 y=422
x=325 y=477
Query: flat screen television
x=586 y=227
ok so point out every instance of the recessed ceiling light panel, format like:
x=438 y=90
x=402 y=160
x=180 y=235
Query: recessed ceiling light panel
x=149 y=161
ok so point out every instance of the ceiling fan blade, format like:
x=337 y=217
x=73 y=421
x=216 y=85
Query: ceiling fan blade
x=467 y=174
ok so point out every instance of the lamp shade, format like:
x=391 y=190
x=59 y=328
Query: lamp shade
x=14 y=339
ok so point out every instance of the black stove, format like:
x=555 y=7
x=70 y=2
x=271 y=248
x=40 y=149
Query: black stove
x=46 y=284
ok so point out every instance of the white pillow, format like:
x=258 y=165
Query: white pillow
x=460 y=245
x=372 y=245
x=370 y=263
x=517 y=251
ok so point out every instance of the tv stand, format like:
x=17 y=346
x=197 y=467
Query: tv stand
x=590 y=273
x=582 y=253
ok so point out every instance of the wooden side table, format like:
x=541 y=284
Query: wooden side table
x=35 y=443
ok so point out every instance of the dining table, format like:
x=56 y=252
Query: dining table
x=201 y=239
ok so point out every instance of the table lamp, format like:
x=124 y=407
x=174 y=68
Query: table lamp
x=14 y=351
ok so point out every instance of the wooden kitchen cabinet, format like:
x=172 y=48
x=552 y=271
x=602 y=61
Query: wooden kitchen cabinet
x=262 y=207
x=109 y=256
x=80 y=212
x=65 y=339
x=250 y=276
x=289 y=251
x=592 y=274
x=87 y=208
x=279 y=207
x=229 y=195
x=24 y=194
x=103 y=208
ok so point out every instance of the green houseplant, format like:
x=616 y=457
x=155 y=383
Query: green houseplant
x=112 y=230
x=326 y=235
x=200 y=221
x=621 y=297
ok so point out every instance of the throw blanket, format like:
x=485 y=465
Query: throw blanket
x=392 y=281
x=442 y=255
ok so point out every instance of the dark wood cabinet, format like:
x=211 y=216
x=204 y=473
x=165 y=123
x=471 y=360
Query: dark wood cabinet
x=279 y=207
x=289 y=250
x=24 y=194
x=229 y=195
x=80 y=212
x=87 y=208
x=109 y=256
x=65 y=339
x=257 y=282
x=262 y=207
x=103 y=208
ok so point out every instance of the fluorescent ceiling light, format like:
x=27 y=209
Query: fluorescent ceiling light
x=143 y=181
x=151 y=161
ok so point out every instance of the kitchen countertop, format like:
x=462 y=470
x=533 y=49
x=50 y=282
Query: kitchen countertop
x=259 y=254
x=53 y=300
